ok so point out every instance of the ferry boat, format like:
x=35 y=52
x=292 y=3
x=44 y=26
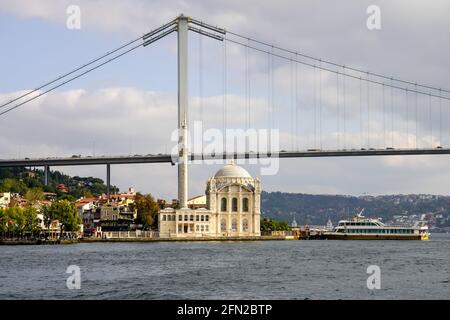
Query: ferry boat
x=362 y=228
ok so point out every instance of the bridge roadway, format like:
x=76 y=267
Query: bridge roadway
x=167 y=158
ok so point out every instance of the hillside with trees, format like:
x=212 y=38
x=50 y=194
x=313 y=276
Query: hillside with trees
x=317 y=209
x=30 y=183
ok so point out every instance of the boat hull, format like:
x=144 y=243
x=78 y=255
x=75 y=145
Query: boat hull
x=335 y=236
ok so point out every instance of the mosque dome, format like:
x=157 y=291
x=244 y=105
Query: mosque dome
x=233 y=171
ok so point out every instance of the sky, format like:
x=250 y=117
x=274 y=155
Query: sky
x=129 y=106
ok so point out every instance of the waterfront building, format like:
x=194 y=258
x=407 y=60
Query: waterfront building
x=232 y=208
x=5 y=199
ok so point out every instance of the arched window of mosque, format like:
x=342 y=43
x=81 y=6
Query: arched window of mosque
x=207 y=218
x=245 y=204
x=192 y=217
x=223 y=204
x=180 y=217
x=234 y=204
x=197 y=217
x=223 y=225
x=245 y=225
x=173 y=217
x=234 y=225
x=202 y=218
x=164 y=217
x=185 y=217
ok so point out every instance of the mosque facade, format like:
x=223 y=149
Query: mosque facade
x=233 y=199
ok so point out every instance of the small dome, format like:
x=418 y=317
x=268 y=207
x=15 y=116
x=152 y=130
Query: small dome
x=233 y=171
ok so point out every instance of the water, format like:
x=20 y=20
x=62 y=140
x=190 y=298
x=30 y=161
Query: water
x=229 y=270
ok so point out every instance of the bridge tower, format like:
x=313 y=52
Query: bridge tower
x=182 y=110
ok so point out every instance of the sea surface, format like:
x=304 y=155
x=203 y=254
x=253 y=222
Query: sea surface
x=317 y=269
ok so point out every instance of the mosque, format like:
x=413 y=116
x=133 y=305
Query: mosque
x=233 y=199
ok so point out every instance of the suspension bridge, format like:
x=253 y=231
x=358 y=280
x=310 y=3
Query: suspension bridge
x=321 y=108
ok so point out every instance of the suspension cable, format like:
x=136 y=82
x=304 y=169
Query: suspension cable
x=360 y=115
x=144 y=37
x=367 y=79
x=416 y=112
x=384 y=116
x=440 y=123
x=315 y=108
x=224 y=97
x=368 y=114
x=147 y=42
x=67 y=81
x=200 y=78
x=296 y=108
x=338 y=136
x=392 y=115
x=344 y=107
x=431 y=122
x=378 y=75
x=407 y=118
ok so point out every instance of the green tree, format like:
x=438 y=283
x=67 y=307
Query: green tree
x=3 y=221
x=31 y=219
x=65 y=212
x=272 y=225
x=147 y=210
x=48 y=216
x=34 y=195
x=13 y=185
x=282 y=226
x=67 y=197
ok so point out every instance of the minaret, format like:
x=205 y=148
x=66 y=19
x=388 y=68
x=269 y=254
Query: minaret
x=182 y=110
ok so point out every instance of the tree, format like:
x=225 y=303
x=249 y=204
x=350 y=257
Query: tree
x=3 y=221
x=65 y=212
x=272 y=225
x=48 y=216
x=282 y=226
x=31 y=219
x=13 y=185
x=147 y=210
x=268 y=225
x=34 y=195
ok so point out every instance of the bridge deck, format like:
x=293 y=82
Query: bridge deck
x=167 y=158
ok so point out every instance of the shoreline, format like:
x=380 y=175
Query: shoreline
x=99 y=240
